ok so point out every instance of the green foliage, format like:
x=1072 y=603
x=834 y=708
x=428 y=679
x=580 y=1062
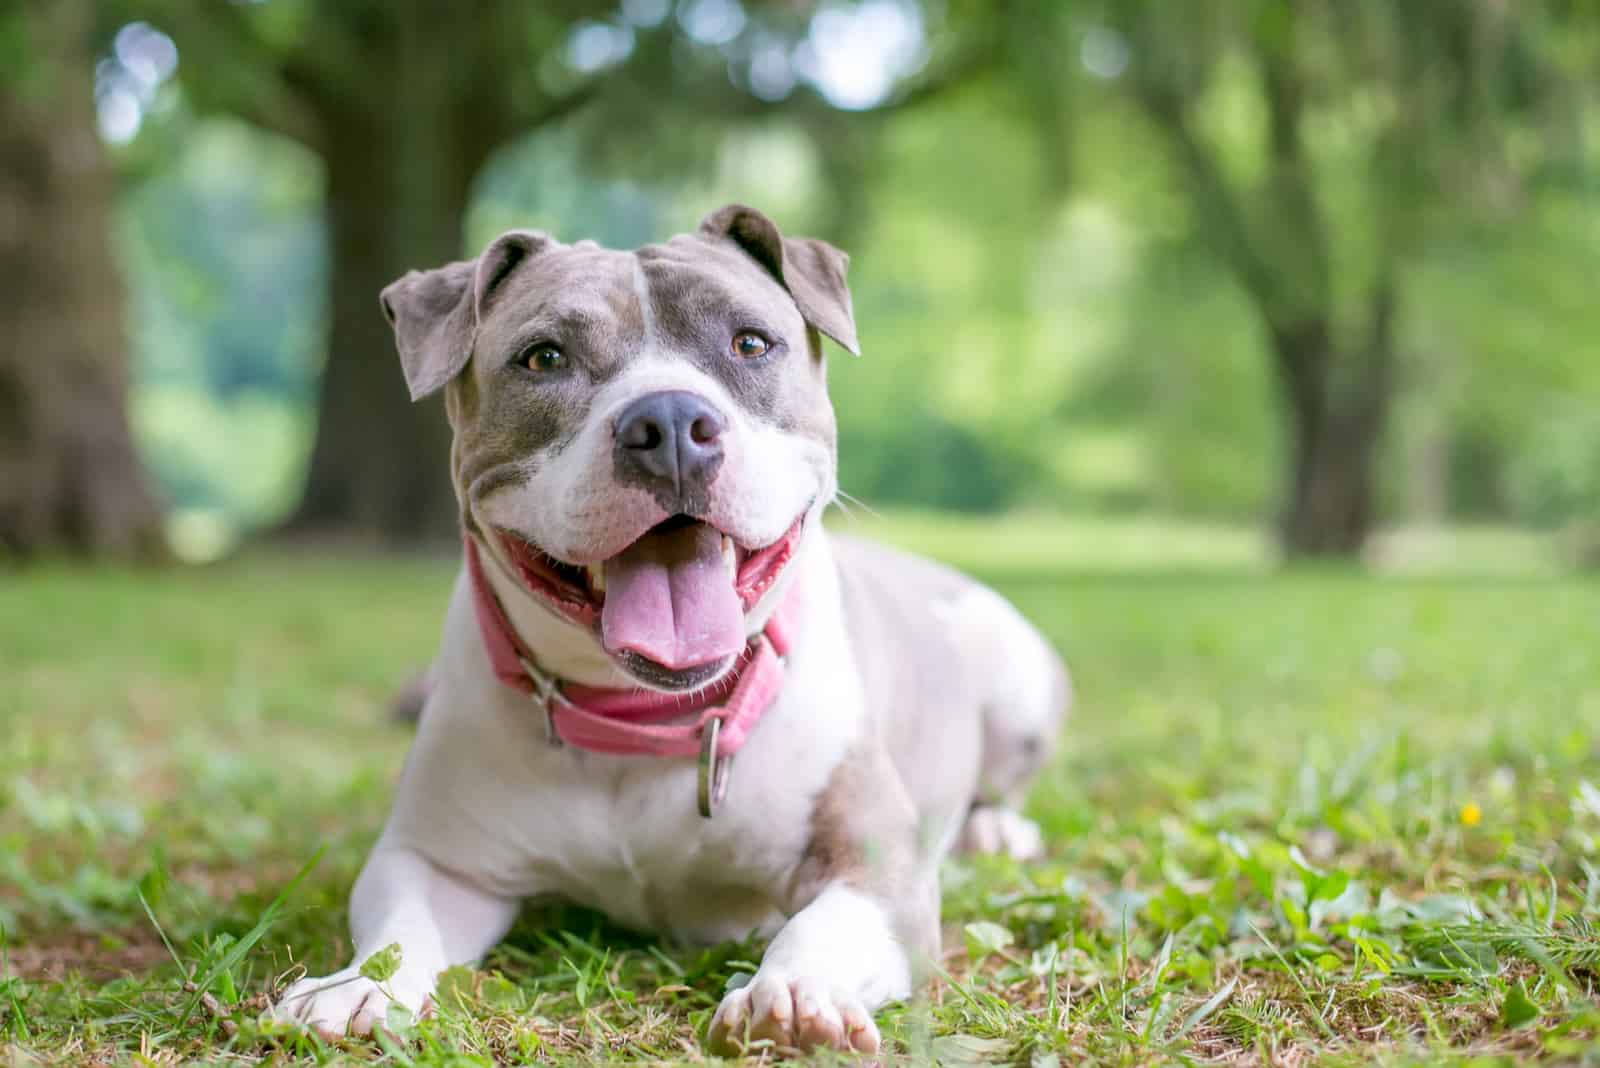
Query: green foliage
x=984 y=938
x=1312 y=817
x=1048 y=316
x=18 y=49
x=536 y=182
x=223 y=249
x=382 y=965
x=1518 y=1010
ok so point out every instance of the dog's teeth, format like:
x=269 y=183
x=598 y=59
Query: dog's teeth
x=597 y=578
x=730 y=556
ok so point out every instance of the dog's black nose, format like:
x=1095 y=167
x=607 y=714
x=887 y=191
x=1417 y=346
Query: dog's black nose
x=670 y=441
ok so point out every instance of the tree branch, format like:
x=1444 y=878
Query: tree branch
x=248 y=79
x=967 y=68
x=554 y=109
x=1217 y=204
x=490 y=119
x=278 y=109
x=1291 y=184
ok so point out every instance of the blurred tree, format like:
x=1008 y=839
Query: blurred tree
x=1146 y=255
x=70 y=479
x=403 y=101
x=1319 y=145
x=1269 y=230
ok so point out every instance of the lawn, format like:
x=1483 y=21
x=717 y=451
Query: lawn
x=1316 y=816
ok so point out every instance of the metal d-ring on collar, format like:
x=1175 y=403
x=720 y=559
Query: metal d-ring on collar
x=546 y=692
x=713 y=769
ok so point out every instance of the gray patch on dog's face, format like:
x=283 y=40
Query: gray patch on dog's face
x=509 y=419
x=703 y=295
x=586 y=301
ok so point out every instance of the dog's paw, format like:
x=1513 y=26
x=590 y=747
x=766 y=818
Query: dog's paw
x=996 y=829
x=795 y=1014
x=347 y=1003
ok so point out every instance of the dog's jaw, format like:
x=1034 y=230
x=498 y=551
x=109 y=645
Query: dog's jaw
x=571 y=649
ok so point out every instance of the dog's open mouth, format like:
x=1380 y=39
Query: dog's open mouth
x=670 y=607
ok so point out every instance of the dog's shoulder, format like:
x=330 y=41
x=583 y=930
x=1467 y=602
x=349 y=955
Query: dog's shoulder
x=886 y=581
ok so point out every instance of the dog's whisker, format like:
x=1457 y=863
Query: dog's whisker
x=844 y=499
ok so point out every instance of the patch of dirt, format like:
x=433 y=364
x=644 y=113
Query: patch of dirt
x=96 y=957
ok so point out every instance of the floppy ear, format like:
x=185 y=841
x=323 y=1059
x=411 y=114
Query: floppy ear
x=435 y=314
x=811 y=270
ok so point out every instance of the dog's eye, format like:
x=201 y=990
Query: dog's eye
x=748 y=345
x=541 y=357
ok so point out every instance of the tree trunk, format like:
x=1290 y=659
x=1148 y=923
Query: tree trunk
x=1335 y=424
x=399 y=171
x=1331 y=490
x=70 y=478
x=380 y=464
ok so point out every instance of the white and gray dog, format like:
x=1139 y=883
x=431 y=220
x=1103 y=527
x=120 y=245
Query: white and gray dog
x=664 y=690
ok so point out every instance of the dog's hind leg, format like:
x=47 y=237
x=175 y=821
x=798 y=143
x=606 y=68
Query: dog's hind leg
x=401 y=899
x=1027 y=697
x=408 y=702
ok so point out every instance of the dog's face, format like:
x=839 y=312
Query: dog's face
x=640 y=437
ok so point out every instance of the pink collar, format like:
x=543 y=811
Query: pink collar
x=642 y=722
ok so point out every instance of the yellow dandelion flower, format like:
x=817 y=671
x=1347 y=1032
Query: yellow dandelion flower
x=1471 y=814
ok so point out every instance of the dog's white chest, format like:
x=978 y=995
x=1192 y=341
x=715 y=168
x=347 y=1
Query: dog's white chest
x=486 y=796
x=624 y=835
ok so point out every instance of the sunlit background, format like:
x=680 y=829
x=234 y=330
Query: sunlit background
x=1079 y=239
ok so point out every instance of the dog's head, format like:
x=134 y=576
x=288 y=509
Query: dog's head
x=640 y=437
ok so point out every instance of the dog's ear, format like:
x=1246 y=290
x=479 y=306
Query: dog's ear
x=811 y=270
x=435 y=314
x=433 y=324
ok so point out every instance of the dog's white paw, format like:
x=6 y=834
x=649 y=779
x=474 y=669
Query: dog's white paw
x=997 y=829
x=795 y=1014
x=347 y=1003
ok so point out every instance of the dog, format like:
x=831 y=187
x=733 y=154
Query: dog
x=664 y=690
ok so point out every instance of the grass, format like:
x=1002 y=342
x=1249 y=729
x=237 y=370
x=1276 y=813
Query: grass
x=1318 y=817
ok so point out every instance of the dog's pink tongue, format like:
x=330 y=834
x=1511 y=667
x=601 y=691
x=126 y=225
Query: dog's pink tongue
x=669 y=597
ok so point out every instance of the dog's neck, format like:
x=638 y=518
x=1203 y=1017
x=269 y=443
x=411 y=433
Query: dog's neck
x=573 y=655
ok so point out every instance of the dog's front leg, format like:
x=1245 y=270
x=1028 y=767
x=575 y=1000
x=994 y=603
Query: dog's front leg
x=869 y=921
x=830 y=966
x=402 y=899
